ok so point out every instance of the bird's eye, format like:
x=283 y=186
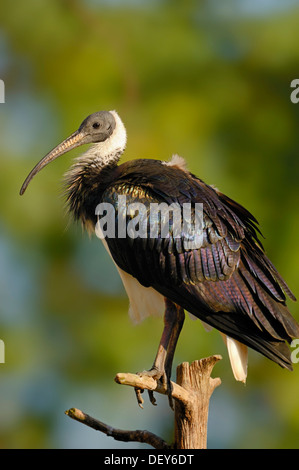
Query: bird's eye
x=96 y=125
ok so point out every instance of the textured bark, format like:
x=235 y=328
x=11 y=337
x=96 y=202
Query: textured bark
x=191 y=415
x=191 y=393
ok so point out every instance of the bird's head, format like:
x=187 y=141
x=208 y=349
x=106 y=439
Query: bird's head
x=103 y=128
x=97 y=127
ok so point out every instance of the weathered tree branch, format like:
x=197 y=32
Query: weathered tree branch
x=191 y=393
x=191 y=416
x=143 y=382
x=145 y=437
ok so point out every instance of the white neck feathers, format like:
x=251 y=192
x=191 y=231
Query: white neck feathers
x=109 y=151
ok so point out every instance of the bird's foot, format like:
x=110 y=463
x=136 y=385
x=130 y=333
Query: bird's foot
x=158 y=376
x=155 y=374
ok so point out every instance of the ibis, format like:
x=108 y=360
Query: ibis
x=226 y=280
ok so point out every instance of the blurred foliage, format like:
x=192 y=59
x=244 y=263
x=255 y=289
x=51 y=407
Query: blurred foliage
x=207 y=80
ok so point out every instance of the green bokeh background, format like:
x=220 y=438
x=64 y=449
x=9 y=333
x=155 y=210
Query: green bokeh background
x=205 y=79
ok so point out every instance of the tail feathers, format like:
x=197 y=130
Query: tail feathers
x=238 y=356
x=289 y=323
x=274 y=316
x=281 y=281
x=246 y=333
x=277 y=351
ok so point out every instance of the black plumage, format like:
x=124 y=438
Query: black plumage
x=228 y=282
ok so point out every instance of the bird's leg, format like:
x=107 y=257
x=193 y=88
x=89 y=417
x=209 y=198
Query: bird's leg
x=177 y=328
x=173 y=322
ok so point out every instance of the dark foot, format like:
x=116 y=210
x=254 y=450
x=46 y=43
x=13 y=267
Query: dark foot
x=157 y=375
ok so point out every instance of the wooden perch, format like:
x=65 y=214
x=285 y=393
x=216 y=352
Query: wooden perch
x=191 y=415
x=191 y=392
x=148 y=383
x=145 y=437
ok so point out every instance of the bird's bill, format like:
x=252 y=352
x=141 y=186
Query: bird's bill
x=73 y=141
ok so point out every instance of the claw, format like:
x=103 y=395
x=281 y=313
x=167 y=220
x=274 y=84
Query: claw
x=152 y=397
x=140 y=400
x=156 y=375
x=169 y=389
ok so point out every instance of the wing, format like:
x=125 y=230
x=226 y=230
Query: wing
x=227 y=281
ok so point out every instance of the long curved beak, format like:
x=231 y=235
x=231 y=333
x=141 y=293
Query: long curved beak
x=73 y=141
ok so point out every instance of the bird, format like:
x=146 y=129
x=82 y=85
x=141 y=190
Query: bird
x=226 y=280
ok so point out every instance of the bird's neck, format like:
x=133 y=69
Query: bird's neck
x=108 y=152
x=91 y=172
x=85 y=183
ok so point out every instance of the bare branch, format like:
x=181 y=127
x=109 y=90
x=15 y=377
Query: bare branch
x=144 y=382
x=145 y=437
x=192 y=394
